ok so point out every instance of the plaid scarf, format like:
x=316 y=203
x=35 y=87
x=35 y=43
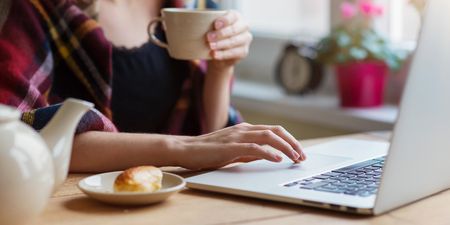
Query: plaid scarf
x=50 y=50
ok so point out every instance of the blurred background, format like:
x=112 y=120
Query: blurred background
x=284 y=81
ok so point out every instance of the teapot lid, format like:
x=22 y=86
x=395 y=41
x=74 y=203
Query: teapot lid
x=8 y=113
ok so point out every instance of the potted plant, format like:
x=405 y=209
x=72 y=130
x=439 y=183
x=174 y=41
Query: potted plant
x=362 y=57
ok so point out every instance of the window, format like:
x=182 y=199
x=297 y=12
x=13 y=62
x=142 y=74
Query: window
x=401 y=22
x=312 y=18
x=276 y=22
x=285 y=18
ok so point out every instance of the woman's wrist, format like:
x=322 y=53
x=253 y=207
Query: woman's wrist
x=218 y=70
x=216 y=95
x=176 y=148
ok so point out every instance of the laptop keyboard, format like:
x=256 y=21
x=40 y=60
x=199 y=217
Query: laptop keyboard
x=361 y=179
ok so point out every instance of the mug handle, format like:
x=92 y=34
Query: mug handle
x=151 y=32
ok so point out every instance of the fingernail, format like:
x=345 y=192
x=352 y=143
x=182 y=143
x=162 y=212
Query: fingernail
x=278 y=158
x=296 y=155
x=213 y=46
x=212 y=36
x=303 y=156
x=219 y=24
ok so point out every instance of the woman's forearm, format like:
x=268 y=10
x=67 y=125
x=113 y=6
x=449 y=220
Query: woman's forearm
x=103 y=151
x=216 y=96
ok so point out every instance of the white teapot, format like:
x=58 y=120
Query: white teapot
x=32 y=166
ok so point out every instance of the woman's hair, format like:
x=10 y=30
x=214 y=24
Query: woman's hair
x=5 y=6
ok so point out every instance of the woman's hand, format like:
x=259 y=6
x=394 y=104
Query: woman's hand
x=230 y=40
x=240 y=143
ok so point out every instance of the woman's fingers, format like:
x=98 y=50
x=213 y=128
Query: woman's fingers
x=228 y=19
x=267 y=137
x=246 y=159
x=242 y=39
x=234 y=53
x=227 y=32
x=238 y=150
x=285 y=135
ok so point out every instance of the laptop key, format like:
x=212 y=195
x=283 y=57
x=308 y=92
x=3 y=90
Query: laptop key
x=356 y=173
x=372 y=180
x=356 y=186
x=356 y=179
x=332 y=174
x=374 y=168
x=342 y=179
x=372 y=173
x=306 y=183
x=350 y=192
x=334 y=186
x=370 y=189
x=349 y=182
x=290 y=184
x=364 y=194
x=323 y=177
x=340 y=185
x=362 y=177
x=314 y=185
x=337 y=191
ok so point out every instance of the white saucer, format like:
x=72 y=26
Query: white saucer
x=100 y=187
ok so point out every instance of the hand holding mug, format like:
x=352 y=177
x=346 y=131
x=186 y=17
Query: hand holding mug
x=227 y=35
x=230 y=38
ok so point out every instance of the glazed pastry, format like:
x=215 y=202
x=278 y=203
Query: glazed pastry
x=139 y=179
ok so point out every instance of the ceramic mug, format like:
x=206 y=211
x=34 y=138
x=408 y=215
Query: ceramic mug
x=185 y=32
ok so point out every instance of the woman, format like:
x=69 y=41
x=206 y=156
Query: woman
x=49 y=50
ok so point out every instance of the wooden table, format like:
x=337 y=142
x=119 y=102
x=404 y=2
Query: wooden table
x=70 y=206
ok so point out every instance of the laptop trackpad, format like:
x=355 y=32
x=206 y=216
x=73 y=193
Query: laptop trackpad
x=263 y=173
x=315 y=162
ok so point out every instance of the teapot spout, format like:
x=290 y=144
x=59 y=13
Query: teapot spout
x=59 y=133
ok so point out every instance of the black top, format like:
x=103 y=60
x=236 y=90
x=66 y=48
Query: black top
x=146 y=85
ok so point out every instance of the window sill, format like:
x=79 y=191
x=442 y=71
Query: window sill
x=316 y=109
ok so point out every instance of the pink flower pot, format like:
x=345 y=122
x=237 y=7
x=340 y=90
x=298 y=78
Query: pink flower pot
x=361 y=84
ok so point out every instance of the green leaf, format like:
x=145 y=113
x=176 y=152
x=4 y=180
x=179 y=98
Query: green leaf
x=358 y=53
x=343 y=39
x=373 y=47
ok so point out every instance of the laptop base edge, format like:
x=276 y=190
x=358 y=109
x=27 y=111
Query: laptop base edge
x=261 y=196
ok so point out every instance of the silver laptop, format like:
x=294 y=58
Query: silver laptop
x=357 y=176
